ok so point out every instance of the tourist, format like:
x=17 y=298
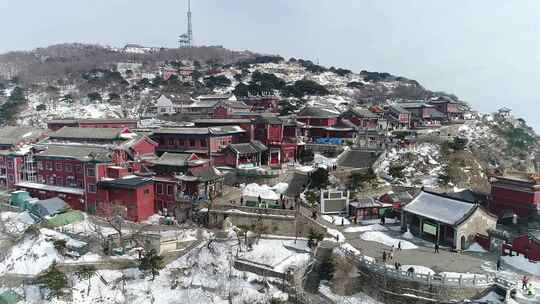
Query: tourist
x=524 y=282
x=396 y=265
x=399 y=246
x=436 y=247
x=382 y=220
x=241 y=201
x=384 y=256
x=498 y=263
x=342 y=221
x=391 y=255
x=410 y=271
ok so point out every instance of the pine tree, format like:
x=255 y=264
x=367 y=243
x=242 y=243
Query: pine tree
x=327 y=268
x=152 y=262
x=54 y=280
x=86 y=273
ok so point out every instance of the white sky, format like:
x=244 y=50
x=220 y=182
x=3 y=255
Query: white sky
x=486 y=52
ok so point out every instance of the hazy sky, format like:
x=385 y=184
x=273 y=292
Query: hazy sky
x=485 y=51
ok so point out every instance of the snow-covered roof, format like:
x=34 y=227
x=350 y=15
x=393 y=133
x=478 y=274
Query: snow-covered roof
x=87 y=133
x=163 y=101
x=14 y=135
x=440 y=208
x=264 y=191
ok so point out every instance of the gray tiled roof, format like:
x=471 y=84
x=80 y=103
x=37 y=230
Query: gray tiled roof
x=208 y=174
x=363 y=112
x=83 y=153
x=440 y=208
x=173 y=159
x=247 y=148
x=220 y=130
x=49 y=206
x=269 y=119
x=129 y=183
x=399 y=109
x=92 y=120
x=311 y=111
x=355 y=158
x=14 y=135
x=87 y=133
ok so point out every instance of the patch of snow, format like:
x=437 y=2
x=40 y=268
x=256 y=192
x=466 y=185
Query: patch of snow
x=522 y=263
x=475 y=247
x=254 y=191
x=374 y=227
x=383 y=238
x=336 y=219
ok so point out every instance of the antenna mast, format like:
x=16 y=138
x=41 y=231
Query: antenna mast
x=186 y=40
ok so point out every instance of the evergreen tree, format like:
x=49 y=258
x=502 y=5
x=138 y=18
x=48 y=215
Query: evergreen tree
x=152 y=262
x=319 y=178
x=86 y=273
x=327 y=268
x=54 y=280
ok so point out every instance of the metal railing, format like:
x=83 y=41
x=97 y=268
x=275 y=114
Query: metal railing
x=472 y=281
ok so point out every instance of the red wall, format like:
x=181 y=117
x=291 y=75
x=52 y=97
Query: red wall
x=163 y=199
x=143 y=147
x=526 y=246
x=139 y=202
x=521 y=203
x=275 y=133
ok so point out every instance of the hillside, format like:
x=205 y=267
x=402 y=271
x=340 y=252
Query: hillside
x=78 y=80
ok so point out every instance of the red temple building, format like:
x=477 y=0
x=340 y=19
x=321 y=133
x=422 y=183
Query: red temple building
x=57 y=124
x=515 y=193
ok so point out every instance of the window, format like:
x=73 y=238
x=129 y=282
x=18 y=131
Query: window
x=59 y=181
x=146 y=191
x=40 y=165
x=70 y=181
x=10 y=164
x=51 y=180
x=159 y=188
x=180 y=142
x=92 y=188
x=68 y=168
x=80 y=184
x=58 y=166
x=49 y=165
x=78 y=169
x=171 y=142
x=170 y=190
x=11 y=178
x=203 y=143
x=90 y=171
x=192 y=142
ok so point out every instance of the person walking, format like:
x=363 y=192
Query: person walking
x=524 y=282
x=399 y=246
x=384 y=256
x=437 y=247
x=499 y=264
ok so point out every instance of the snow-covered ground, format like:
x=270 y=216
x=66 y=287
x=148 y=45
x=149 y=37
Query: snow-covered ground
x=336 y=219
x=374 y=227
x=383 y=238
x=203 y=275
x=357 y=298
x=523 y=264
x=421 y=164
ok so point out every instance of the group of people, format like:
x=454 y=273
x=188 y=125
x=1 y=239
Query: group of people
x=527 y=286
x=391 y=254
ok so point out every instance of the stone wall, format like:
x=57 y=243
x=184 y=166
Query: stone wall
x=276 y=223
x=390 y=290
x=480 y=222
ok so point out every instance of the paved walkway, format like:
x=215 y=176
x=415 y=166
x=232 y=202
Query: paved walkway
x=424 y=255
